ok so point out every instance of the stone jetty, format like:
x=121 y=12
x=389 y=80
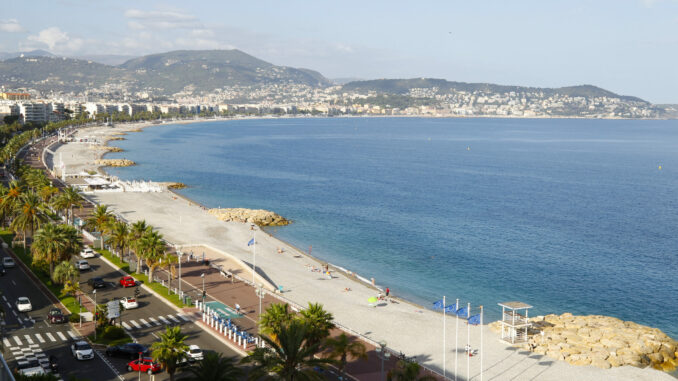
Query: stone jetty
x=115 y=162
x=256 y=216
x=601 y=341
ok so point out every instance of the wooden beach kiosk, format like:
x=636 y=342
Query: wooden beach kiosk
x=514 y=321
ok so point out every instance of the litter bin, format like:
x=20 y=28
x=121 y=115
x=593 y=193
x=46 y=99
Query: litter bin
x=187 y=300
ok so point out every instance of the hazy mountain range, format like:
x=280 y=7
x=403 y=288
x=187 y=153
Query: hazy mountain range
x=206 y=70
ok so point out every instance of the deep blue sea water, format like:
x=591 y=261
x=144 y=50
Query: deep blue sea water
x=566 y=215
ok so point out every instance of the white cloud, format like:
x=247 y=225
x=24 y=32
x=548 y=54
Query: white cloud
x=11 y=26
x=57 y=40
x=172 y=19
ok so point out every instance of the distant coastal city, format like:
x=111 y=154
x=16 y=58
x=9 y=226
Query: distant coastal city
x=41 y=89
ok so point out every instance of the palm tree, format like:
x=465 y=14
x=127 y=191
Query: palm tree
x=73 y=242
x=48 y=245
x=64 y=272
x=290 y=357
x=274 y=318
x=318 y=320
x=341 y=347
x=119 y=236
x=30 y=214
x=215 y=367
x=137 y=231
x=67 y=200
x=407 y=371
x=170 y=350
x=152 y=250
x=48 y=192
x=10 y=199
x=101 y=219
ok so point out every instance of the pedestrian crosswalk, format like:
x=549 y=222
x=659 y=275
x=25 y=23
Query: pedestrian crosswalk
x=28 y=340
x=148 y=322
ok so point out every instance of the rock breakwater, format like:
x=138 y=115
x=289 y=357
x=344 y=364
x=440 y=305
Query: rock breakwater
x=601 y=341
x=115 y=162
x=255 y=216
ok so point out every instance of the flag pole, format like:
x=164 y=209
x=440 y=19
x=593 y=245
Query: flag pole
x=456 y=341
x=468 y=342
x=481 y=343
x=444 y=340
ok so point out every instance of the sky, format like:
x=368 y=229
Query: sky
x=626 y=46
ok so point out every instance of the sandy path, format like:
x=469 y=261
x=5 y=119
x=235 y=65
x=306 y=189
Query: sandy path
x=405 y=327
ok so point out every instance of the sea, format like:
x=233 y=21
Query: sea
x=567 y=215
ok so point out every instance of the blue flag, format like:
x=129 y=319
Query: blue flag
x=251 y=242
x=462 y=312
x=475 y=319
x=438 y=305
x=453 y=308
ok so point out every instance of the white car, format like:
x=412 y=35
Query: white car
x=129 y=303
x=82 y=264
x=8 y=262
x=30 y=368
x=194 y=353
x=87 y=253
x=81 y=350
x=23 y=304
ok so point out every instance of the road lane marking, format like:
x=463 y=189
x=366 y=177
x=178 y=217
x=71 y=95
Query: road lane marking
x=147 y=324
x=61 y=336
x=18 y=341
x=28 y=338
x=173 y=319
x=6 y=342
x=13 y=282
x=72 y=335
x=5 y=299
x=127 y=327
x=163 y=320
x=153 y=321
x=184 y=317
x=135 y=324
x=40 y=339
x=49 y=336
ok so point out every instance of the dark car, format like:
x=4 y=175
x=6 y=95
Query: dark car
x=129 y=350
x=96 y=282
x=2 y=269
x=55 y=316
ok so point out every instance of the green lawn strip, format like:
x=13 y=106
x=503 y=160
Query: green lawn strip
x=67 y=300
x=157 y=287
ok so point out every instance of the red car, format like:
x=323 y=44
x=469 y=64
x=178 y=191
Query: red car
x=127 y=281
x=146 y=365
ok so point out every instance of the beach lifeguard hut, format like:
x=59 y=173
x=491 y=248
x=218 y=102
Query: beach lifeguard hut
x=514 y=321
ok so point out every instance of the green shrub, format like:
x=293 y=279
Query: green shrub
x=74 y=318
x=113 y=333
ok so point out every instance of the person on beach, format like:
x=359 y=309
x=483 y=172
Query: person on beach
x=237 y=308
x=387 y=292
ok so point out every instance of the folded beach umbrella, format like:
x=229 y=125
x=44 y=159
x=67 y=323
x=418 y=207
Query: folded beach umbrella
x=372 y=299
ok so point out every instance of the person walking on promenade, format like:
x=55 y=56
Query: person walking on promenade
x=237 y=308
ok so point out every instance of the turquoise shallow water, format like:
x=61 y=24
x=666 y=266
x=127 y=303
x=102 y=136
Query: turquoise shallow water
x=567 y=215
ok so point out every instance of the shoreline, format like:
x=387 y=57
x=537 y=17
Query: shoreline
x=422 y=317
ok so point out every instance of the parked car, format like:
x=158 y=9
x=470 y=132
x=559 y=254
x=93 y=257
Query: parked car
x=129 y=350
x=81 y=350
x=8 y=262
x=129 y=303
x=96 y=282
x=87 y=253
x=55 y=316
x=82 y=265
x=127 y=281
x=23 y=304
x=146 y=365
x=194 y=353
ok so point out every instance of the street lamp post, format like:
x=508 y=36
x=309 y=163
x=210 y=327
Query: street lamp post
x=80 y=308
x=260 y=293
x=95 y=313
x=383 y=354
x=140 y=365
x=180 y=255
